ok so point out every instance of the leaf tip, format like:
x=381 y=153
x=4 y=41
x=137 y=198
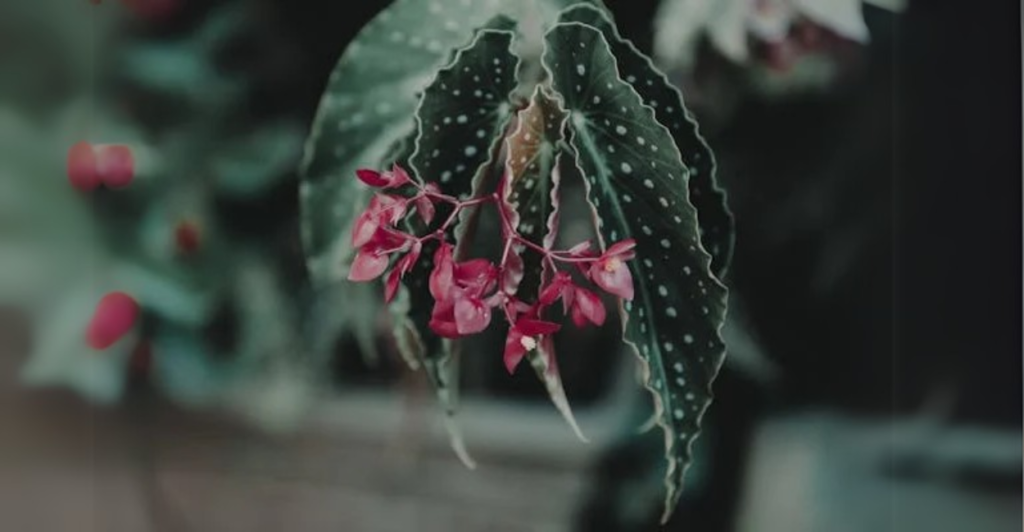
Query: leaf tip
x=458 y=443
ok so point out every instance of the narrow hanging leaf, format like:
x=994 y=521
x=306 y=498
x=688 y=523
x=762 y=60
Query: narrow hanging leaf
x=530 y=195
x=530 y=190
x=636 y=183
x=716 y=221
x=368 y=105
x=461 y=119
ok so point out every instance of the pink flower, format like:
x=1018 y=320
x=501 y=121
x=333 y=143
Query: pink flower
x=582 y=304
x=372 y=259
x=384 y=210
x=402 y=267
x=586 y=306
x=115 y=165
x=559 y=287
x=81 y=163
x=523 y=337
x=472 y=314
x=610 y=272
x=460 y=315
x=395 y=178
x=114 y=317
x=459 y=289
x=443 y=274
x=424 y=208
x=368 y=265
x=424 y=205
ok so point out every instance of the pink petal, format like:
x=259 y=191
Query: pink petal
x=399 y=177
x=81 y=165
x=367 y=266
x=514 y=351
x=555 y=289
x=578 y=319
x=441 y=278
x=410 y=259
x=512 y=274
x=471 y=315
x=402 y=266
x=116 y=165
x=388 y=207
x=580 y=250
x=425 y=208
x=364 y=229
x=115 y=315
x=568 y=295
x=476 y=273
x=391 y=285
x=442 y=319
x=530 y=327
x=444 y=329
x=589 y=306
x=618 y=281
x=622 y=249
x=371 y=177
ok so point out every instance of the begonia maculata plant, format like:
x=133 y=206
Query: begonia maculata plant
x=444 y=112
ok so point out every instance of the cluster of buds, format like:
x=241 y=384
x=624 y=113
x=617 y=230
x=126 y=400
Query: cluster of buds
x=467 y=293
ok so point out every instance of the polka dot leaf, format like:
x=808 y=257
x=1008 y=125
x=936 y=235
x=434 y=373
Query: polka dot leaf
x=636 y=183
x=716 y=221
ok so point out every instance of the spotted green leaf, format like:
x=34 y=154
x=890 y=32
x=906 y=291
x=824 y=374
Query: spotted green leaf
x=369 y=103
x=716 y=221
x=637 y=185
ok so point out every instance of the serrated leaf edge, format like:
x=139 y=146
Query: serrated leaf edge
x=715 y=187
x=672 y=493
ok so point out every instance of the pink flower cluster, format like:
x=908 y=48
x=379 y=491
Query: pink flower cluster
x=467 y=293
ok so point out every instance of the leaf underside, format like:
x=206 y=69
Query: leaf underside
x=637 y=185
x=716 y=221
x=368 y=105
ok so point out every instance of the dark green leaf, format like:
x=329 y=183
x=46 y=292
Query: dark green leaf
x=636 y=183
x=659 y=94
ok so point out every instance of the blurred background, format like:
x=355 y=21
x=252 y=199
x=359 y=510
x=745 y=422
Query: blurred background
x=872 y=155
